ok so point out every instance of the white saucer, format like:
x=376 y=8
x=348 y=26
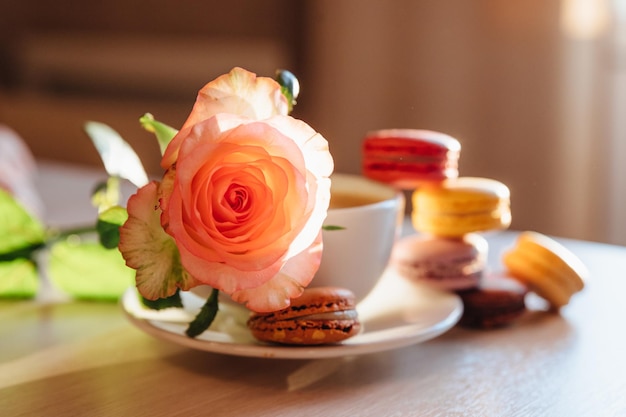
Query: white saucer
x=395 y=314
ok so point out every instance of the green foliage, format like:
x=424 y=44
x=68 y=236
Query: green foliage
x=87 y=270
x=106 y=194
x=119 y=159
x=331 y=227
x=21 y=235
x=19 y=230
x=205 y=317
x=82 y=269
x=161 y=303
x=108 y=226
x=18 y=279
x=163 y=132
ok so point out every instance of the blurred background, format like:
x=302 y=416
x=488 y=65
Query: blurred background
x=535 y=90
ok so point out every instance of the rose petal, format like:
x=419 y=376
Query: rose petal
x=319 y=164
x=147 y=248
x=314 y=147
x=225 y=277
x=239 y=92
x=288 y=284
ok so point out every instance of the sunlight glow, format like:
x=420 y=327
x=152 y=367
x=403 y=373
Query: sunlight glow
x=584 y=19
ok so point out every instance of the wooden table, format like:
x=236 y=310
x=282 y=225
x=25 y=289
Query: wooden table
x=86 y=359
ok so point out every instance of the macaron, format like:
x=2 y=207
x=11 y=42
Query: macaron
x=498 y=301
x=321 y=315
x=461 y=205
x=452 y=264
x=547 y=267
x=408 y=158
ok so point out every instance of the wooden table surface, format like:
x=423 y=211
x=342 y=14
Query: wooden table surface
x=86 y=359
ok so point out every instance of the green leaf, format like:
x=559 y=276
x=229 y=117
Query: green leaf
x=107 y=194
x=332 y=227
x=289 y=86
x=108 y=226
x=87 y=270
x=18 y=279
x=19 y=231
x=25 y=252
x=162 y=303
x=163 y=132
x=205 y=317
x=120 y=160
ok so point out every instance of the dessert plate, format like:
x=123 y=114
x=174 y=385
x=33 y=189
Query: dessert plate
x=395 y=314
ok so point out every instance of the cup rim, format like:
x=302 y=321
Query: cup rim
x=394 y=197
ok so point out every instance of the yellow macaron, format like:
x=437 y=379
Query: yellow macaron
x=461 y=205
x=546 y=267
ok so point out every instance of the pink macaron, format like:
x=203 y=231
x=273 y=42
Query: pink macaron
x=452 y=264
x=409 y=158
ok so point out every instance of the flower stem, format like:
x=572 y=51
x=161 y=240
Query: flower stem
x=205 y=317
x=64 y=233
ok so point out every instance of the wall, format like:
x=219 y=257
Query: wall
x=65 y=62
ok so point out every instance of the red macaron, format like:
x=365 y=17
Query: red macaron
x=408 y=158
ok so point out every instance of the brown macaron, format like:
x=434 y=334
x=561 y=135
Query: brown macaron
x=321 y=315
x=498 y=302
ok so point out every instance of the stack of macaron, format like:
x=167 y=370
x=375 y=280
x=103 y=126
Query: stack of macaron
x=449 y=213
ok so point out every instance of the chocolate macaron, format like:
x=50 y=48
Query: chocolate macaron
x=498 y=302
x=321 y=315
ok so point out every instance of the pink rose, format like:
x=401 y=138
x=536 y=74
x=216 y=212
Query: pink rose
x=239 y=92
x=242 y=202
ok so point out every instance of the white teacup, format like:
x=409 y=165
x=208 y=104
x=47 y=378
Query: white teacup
x=370 y=215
